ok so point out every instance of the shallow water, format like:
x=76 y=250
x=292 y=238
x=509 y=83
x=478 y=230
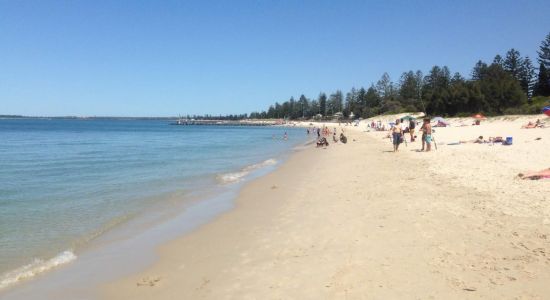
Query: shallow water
x=66 y=182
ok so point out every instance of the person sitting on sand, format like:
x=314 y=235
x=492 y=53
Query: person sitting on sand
x=343 y=138
x=544 y=174
x=322 y=142
x=397 y=134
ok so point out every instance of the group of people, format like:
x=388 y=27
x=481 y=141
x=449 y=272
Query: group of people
x=378 y=126
x=324 y=132
x=399 y=129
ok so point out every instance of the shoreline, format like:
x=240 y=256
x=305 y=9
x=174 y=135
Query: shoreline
x=348 y=173
x=146 y=231
x=327 y=224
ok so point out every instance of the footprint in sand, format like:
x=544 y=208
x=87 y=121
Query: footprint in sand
x=204 y=283
x=148 y=281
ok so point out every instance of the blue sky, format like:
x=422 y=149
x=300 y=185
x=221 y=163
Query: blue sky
x=164 y=58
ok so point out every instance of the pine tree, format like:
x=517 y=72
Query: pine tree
x=544 y=52
x=436 y=90
x=500 y=91
x=337 y=100
x=384 y=86
x=498 y=60
x=322 y=104
x=303 y=105
x=361 y=102
x=372 y=101
x=479 y=70
x=350 y=106
x=542 y=87
x=527 y=75
x=513 y=62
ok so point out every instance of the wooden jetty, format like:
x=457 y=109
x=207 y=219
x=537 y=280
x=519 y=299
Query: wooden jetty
x=185 y=122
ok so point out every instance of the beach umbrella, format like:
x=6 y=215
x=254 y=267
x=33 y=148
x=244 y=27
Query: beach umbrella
x=408 y=118
x=479 y=117
x=546 y=110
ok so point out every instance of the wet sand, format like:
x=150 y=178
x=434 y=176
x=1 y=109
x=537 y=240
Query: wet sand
x=358 y=221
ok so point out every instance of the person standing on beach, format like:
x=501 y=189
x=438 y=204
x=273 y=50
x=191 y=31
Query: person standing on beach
x=397 y=134
x=423 y=129
x=412 y=125
x=426 y=135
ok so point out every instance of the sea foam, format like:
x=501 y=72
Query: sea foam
x=238 y=176
x=36 y=267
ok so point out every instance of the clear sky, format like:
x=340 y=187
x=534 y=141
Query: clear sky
x=164 y=58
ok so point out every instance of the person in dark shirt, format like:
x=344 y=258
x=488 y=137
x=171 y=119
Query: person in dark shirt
x=412 y=125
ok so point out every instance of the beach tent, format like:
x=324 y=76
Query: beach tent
x=440 y=120
x=546 y=110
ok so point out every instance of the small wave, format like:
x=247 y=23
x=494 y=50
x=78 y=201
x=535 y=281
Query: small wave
x=36 y=267
x=238 y=176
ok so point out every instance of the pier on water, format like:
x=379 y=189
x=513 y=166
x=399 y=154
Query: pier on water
x=184 y=122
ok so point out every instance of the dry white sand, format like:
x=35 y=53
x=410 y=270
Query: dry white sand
x=357 y=221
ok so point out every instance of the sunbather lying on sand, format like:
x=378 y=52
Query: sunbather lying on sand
x=536 y=175
x=537 y=124
x=480 y=140
x=496 y=139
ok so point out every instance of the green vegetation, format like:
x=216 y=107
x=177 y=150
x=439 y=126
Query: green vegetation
x=508 y=85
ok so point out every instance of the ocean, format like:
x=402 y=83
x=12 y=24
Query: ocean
x=64 y=183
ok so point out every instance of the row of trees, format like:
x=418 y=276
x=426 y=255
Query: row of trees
x=509 y=84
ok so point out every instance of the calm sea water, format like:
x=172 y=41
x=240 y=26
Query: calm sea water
x=65 y=182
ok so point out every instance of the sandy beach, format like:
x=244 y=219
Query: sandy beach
x=357 y=221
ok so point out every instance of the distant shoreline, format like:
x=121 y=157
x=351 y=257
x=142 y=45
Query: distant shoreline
x=84 y=118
